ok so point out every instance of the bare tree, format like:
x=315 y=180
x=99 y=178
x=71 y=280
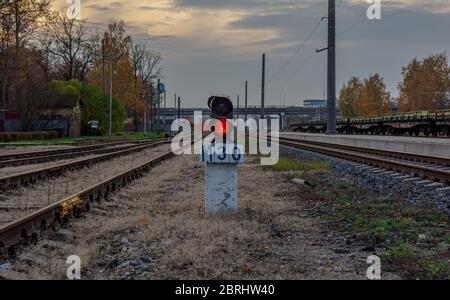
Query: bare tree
x=146 y=67
x=146 y=62
x=71 y=46
x=19 y=20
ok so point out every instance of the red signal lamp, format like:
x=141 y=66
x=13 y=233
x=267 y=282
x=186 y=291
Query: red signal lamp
x=221 y=127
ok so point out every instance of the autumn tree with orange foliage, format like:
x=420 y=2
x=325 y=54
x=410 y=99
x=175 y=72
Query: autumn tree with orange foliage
x=349 y=96
x=426 y=84
x=364 y=98
x=374 y=100
x=129 y=84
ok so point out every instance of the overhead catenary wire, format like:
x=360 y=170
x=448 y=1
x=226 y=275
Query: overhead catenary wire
x=299 y=69
x=299 y=49
x=302 y=46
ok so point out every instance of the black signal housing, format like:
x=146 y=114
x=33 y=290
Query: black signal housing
x=221 y=107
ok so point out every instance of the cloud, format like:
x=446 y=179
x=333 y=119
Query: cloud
x=199 y=37
x=98 y=7
x=116 y=4
x=227 y=4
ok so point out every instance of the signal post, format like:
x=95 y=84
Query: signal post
x=222 y=157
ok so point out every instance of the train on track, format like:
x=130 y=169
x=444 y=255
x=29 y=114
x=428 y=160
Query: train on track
x=422 y=123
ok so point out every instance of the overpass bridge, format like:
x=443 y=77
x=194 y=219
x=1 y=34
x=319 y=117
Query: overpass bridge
x=172 y=113
x=166 y=117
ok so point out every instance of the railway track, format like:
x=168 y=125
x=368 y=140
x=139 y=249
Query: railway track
x=28 y=229
x=30 y=177
x=19 y=159
x=427 y=167
x=30 y=154
x=25 y=230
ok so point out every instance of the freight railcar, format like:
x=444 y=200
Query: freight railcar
x=422 y=123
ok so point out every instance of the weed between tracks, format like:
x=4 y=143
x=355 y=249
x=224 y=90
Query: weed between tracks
x=414 y=241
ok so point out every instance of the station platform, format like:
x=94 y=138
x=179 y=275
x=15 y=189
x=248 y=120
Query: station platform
x=439 y=147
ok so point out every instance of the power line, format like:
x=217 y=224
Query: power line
x=351 y=27
x=309 y=57
x=296 y=52
x=360 y=21
x=299 y=49
x=299 y=69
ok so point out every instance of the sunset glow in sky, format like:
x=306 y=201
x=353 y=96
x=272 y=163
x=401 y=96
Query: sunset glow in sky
x=213 y=46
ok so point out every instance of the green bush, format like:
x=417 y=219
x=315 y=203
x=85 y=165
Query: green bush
x=7 y=137
x=96 y=107
x=95 y=104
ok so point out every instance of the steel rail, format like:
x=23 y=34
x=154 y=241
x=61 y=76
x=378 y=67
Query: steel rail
x=389 y=164
x=31 y=177
x=444 y=161
x=30 y=154
x=69 y=155
x=28 y=228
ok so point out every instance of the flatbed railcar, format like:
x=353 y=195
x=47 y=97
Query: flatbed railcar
x=422 y=123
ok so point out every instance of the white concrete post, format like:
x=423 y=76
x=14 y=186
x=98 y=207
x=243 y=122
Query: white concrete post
x=221 y=193
x=221 y=188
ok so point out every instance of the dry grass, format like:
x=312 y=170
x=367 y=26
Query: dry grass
x=163 y=217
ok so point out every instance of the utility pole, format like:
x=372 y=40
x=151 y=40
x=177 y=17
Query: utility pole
x=237 y=111
x=246 y=99
x=331 y=128
x=158 y=106
x=175 y=105
x=110 y=97
x=104 y=66
x=179 y=108
x=145 y=123
x=263 y=84
x=165 y=110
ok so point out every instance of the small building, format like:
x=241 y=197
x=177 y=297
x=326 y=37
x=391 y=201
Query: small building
x=59 y=112
x=9 y=121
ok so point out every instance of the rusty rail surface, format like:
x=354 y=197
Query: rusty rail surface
x=31 y=177
x=36 y=157
x=22 y=155
x=403 y=166
x=443 y=161
x=28 y=228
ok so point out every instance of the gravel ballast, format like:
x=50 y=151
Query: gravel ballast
x=378 y=182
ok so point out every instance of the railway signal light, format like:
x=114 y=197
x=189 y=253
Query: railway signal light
x=221 y=157
x=222 y=110
x=221 y=107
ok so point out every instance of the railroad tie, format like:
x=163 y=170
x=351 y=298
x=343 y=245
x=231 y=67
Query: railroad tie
x=434 y=185
x=411 y=179
x=424 y=182
x=444 y=190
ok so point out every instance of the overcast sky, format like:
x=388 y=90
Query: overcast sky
x=213 y=46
